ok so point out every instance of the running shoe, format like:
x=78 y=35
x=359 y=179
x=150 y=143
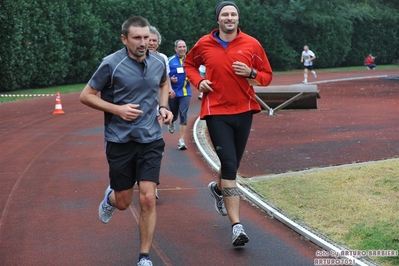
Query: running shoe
x=105 y=210
x=305 y=81
x=156 y=194
x=239 y=238
x=314 y=74
x=171 y=127
x=219 y=202
x=181 y=145
x=144 y=262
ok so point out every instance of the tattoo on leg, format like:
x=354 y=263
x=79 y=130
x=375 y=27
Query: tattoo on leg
x=230 y=192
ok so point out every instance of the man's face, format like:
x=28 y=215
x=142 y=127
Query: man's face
x=137 y=42
x=153 y=42
x=228 y=19
x=181 y=49
x=305 y=48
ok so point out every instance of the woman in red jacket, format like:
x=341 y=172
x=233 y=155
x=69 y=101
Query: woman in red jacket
x=234 y=61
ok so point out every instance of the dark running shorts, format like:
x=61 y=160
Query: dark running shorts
x=309 y=67
x=133 y=162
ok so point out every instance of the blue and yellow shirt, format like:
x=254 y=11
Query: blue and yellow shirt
x=182 y=86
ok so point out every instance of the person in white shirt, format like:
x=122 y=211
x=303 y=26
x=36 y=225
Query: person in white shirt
x=154 y=41
x=202 y=70
x=307 y=58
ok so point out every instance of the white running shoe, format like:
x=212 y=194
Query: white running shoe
x=105 y=210
x=239 y=238
x=144 y=262
x=171 y=127
x=219 y=202
x=181 y=145
x=314 y=74
x=305 y=82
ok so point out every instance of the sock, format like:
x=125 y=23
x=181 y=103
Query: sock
x=144 y=255
x=235 y=224
x=108 y=201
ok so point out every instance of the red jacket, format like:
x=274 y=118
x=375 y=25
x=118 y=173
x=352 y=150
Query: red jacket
x=231 y=93
x=369 y=60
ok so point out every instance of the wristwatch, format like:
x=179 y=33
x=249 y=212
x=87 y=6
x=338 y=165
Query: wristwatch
x=253 y=73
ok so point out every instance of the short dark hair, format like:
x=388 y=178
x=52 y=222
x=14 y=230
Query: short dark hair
x=177 y=42
x=135 y=21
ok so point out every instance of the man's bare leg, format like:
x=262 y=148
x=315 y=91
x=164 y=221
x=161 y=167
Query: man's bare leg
x=182 y=131
x=305 y=75
x=121 y=199
x=113 y=200
x=231 y=198
x=148 y=215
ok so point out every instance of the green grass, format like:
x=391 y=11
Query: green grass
x=380 y=234
x=50 y=90
x=355 y=206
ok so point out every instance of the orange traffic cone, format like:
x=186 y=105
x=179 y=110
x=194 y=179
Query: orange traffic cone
x=58 y=105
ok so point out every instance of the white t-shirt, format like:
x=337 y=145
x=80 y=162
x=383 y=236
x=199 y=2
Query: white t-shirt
x=306 y=56
x=167 y=72
x=166 y=61
x=202 y=70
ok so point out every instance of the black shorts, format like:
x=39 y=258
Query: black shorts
x=229 y=135
x=309 y=67
x=133 y=162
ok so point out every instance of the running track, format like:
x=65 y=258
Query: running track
x=53 y=174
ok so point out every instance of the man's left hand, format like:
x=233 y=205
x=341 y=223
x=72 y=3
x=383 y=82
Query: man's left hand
x=241 y=69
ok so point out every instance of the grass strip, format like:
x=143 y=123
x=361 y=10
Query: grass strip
x=50 y=90
x=355 y=206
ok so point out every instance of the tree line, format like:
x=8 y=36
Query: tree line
x=56 y=42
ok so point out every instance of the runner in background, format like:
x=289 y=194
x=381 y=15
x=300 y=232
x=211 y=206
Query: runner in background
x=153 y=43
x=307 y=58
x=181 y=86
x=202 y=70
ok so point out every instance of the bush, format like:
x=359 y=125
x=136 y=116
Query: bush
x=47 y=42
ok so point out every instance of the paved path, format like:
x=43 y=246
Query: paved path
x=53 y=174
